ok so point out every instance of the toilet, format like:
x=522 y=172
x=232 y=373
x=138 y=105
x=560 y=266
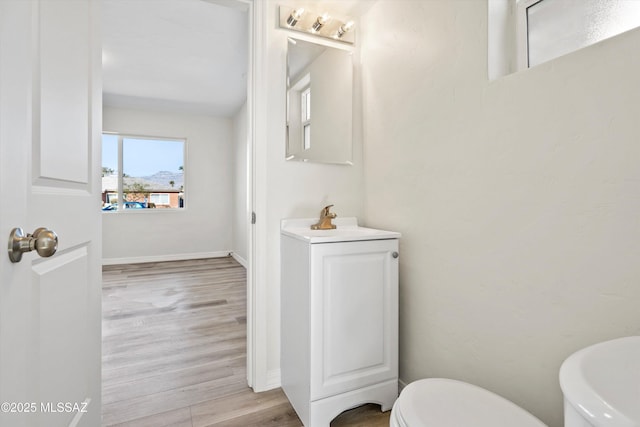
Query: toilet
x=439 y=402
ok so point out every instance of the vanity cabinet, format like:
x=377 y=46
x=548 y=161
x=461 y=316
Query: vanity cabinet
x=339 y=320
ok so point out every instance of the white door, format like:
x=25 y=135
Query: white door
x=49 y=156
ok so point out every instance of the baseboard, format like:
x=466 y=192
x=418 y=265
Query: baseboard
x=243 y=262
x=401 y=385
x=273 y=379
x=269 y=382
x=162 y=258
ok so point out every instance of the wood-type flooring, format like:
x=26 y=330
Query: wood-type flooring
x=174 y=351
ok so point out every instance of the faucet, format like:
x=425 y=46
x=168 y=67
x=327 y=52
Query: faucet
x=325 y=220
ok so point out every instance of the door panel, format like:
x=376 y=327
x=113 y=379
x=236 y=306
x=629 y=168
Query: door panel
x=62 y=78
x=62 y=334
x=354 y=319
x=354 y=306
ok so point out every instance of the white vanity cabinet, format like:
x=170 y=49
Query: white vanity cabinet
x=339 y=305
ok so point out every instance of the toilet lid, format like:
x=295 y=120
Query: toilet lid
x=436 y=402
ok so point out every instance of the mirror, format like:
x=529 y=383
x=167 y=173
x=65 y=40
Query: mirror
x=319 y=103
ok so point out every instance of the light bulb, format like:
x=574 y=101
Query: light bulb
x=292 y=20
x=345 y=28
x=322 y=19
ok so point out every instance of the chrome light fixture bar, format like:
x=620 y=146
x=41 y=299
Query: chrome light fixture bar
x=318 y=24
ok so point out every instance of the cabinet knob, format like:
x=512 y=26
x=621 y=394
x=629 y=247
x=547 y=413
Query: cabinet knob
x=395 y=254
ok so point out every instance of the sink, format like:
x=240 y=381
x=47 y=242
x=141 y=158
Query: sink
x=347 y=230
x=601 y=384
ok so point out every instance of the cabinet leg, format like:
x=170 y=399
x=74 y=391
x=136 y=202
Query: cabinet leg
x=323 y=411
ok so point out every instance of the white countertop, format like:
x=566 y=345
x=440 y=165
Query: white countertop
x=347 y=230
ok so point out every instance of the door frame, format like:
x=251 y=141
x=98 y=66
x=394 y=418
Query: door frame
x=257 y=309
x=258 y=376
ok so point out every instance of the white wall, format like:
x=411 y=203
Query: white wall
x=289 y=189
x=240 y=230
x=518 y=199
x=203 y=228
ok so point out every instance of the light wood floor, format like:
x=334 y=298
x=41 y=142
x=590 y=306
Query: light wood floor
x=174 y=351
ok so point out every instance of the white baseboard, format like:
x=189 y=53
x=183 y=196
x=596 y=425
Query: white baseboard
x=243 y=262
x=162 y=258
x=270 y=381
x=401 y=385
x=273 y=379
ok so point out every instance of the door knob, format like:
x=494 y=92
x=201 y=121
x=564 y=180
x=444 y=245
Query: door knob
x=43 y=240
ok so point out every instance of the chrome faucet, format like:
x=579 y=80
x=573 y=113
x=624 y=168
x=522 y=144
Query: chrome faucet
x=325 y=220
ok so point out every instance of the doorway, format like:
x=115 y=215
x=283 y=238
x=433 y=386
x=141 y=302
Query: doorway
x=145 y=87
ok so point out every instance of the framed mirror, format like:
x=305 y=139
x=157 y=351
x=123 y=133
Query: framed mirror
x=319 y=103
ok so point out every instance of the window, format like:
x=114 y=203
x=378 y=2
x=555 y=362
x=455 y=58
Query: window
x=299 y=117
x=142 y=173
x=548 y=29
x=305 y=103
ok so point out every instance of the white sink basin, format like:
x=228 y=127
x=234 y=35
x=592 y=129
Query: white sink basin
x=601 y=384
x=346 y=230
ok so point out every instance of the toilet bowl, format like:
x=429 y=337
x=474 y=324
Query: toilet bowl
x=439 y=402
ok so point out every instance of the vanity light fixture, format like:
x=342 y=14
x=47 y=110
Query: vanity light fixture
x=318 y=24
x=322 y=19
x=294 y=17
x=344 y=28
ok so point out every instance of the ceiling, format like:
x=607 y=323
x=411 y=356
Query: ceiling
x=175 y=55
x=346 y=9
x=185 y=55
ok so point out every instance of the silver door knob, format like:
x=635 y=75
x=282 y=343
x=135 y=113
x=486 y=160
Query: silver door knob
x=42 y=240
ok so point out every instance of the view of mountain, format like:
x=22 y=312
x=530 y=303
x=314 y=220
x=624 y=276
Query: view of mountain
x=162 y=179
x=158 y=181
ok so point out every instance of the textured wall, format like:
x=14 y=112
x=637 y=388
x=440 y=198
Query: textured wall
x=518 y=199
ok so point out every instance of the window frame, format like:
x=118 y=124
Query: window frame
x=305 y=118
x=522 y=33
x=522 y=45
x=120 y=190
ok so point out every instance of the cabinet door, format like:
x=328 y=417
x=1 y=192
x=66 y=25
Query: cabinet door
x=354 y=315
